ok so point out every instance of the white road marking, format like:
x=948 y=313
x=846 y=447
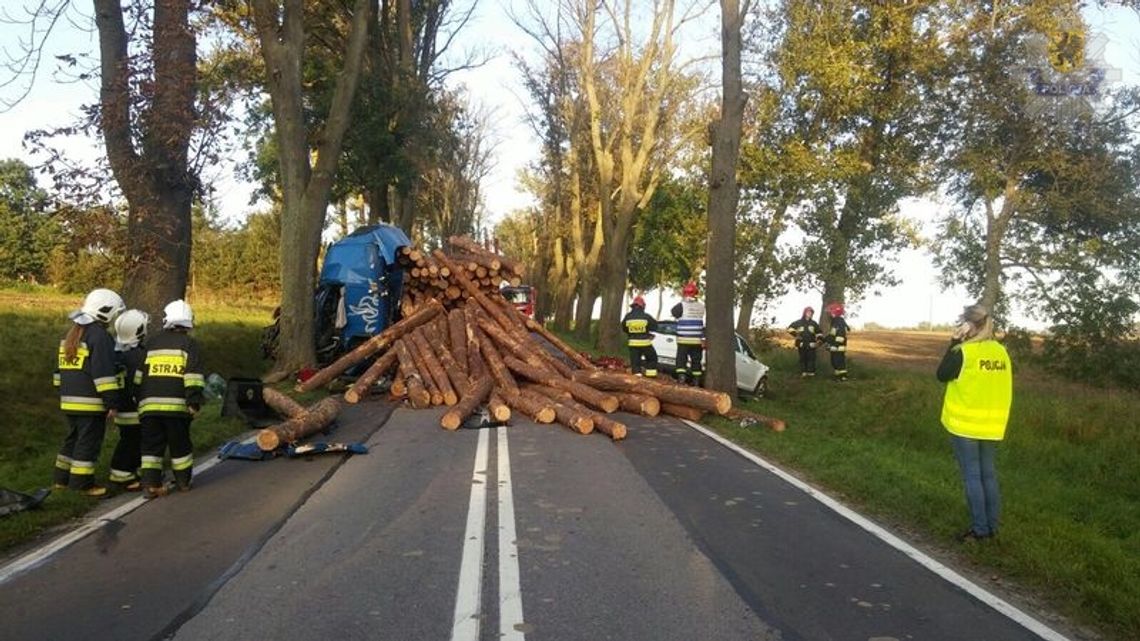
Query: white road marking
x=92 y=524
x=510 y=589
x=975 y=590
x=469 y=594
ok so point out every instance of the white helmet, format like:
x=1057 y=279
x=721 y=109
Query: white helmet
x=177 y=314
x=130 y=327
x=102 y=305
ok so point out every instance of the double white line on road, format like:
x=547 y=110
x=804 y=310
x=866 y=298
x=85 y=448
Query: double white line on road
x=469 y=595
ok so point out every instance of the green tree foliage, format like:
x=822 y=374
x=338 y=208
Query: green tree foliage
x=236 y=261
x=669 y=238
x=27 y=231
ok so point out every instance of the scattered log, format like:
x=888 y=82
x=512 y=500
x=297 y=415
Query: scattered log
x=455 y=375
x=639 y=403
x=421 y=369
x=707 y=400
x=360 y=388
x=538 y=411
x=281 y=403
x=611 y=428
x=581 y=361
x=498 y=369
x=774 y=424
x=588 y=395
x=604 y=424
x=499 y=408
x=456 y=327
x=434 y=368
x=312 y=420
x=454 y=417
x=575 y=419
x=682 y=411
x=371 y=346
x=418 y=395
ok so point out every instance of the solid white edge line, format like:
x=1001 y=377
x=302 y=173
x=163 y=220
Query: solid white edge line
x=90 y=525
x=510 y=589
x=975 y=590
x=469 y=593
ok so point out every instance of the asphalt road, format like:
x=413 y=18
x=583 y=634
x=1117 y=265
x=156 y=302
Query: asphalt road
x=527 y=532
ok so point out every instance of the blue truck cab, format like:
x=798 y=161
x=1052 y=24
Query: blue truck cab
x=358 y=292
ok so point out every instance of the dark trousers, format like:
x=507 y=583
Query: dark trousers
x=128 y=454
x=643 y=360
x=839 y=364
x=158 y=433
x=689 y=362
x=75 y=463
x=807 y=360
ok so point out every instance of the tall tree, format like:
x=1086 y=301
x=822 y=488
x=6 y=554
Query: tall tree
x=724 y=195
x=148 y=120
x=27 y=230
x=307 y=160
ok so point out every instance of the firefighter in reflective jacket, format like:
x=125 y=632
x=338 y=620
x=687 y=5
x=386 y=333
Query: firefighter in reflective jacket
x=130 y=332
x=639 y=327
x=836 y=339
x=170 y=385
x=807 y=335
x=690 y=315
x=88 y=390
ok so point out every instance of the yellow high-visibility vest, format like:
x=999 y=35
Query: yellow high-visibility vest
x=977 y=403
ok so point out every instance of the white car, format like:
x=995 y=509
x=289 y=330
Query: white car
x=751 y=374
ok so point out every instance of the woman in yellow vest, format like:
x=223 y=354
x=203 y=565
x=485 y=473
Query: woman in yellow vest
x=975 y=410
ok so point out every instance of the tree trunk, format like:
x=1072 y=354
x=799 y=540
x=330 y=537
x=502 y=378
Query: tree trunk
x=614 y=276
x=996 y=226
x=744 y=320
x=723 y=198
x=584 y=308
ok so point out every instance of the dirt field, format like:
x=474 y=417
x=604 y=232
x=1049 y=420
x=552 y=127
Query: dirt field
x=913 y=350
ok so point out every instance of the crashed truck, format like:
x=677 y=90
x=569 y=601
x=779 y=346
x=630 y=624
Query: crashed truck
x=357 y=294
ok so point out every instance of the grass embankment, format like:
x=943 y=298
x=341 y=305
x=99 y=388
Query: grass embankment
x=1069 y=470
x=31 y=325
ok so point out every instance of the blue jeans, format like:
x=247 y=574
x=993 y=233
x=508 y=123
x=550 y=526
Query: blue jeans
x=976 y=462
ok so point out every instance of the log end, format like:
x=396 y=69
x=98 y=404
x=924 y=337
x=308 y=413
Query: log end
x=610 y=404
x=583 y=425
x=618 y=432
x=502 y=413
x=451 y=421
x=723 y=403
x=450 y=398
x=545 y=415
x=352 y=396
x=651 y=407
x=267 y=440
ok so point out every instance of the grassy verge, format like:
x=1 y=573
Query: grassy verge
x=31 y=325
x=1069 y=469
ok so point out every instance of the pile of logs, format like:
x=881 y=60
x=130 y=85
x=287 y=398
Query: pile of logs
x=461 y=345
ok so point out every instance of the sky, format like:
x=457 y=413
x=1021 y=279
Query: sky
x=917 y=299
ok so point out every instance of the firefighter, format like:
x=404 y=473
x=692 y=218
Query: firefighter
x=690 y=315
x=130 y=332
x=807 y=335
x=639 y=327
x=170 y=385
x=975 y=410
x=836 y=340
x=88 y=390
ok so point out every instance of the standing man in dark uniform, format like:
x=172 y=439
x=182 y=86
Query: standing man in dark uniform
x=690 y=315
x=837 y=341
x=807 y=334
x=639 y=327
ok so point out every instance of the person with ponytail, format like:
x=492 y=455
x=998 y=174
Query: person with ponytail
x=88 y=390
x=975 y=410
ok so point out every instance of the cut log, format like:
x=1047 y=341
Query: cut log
x=539 y=411
x=682 y=411
x=709 y=401
x=498 y=407
x=434 y=368
x=564 y=414
x=421 y=368
x=451 y=368
x=418 y=395
x=281 y=403
x=588 y=395
x=602 y=423
x=312 y=420
x=475 y=396
x=774 y=424
x=476 y=251
x=360 y=388
x=581 y=361
x=371 y=346
x=496 y=366
x=508 y=344
x=639 y=403
x=473 y=290
x=457 y=329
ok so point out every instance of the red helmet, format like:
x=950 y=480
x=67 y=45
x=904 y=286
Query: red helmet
x=835 y=309
x=808 y=310
x=689 y=290
x=638 y=301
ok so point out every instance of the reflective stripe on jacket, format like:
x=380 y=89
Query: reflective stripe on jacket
x=690 y=315
x=976 y=404
x=170 y=380
x=87 y=383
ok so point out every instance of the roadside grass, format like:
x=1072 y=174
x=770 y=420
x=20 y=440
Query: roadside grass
x=1069 y=471
x=31 y=324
